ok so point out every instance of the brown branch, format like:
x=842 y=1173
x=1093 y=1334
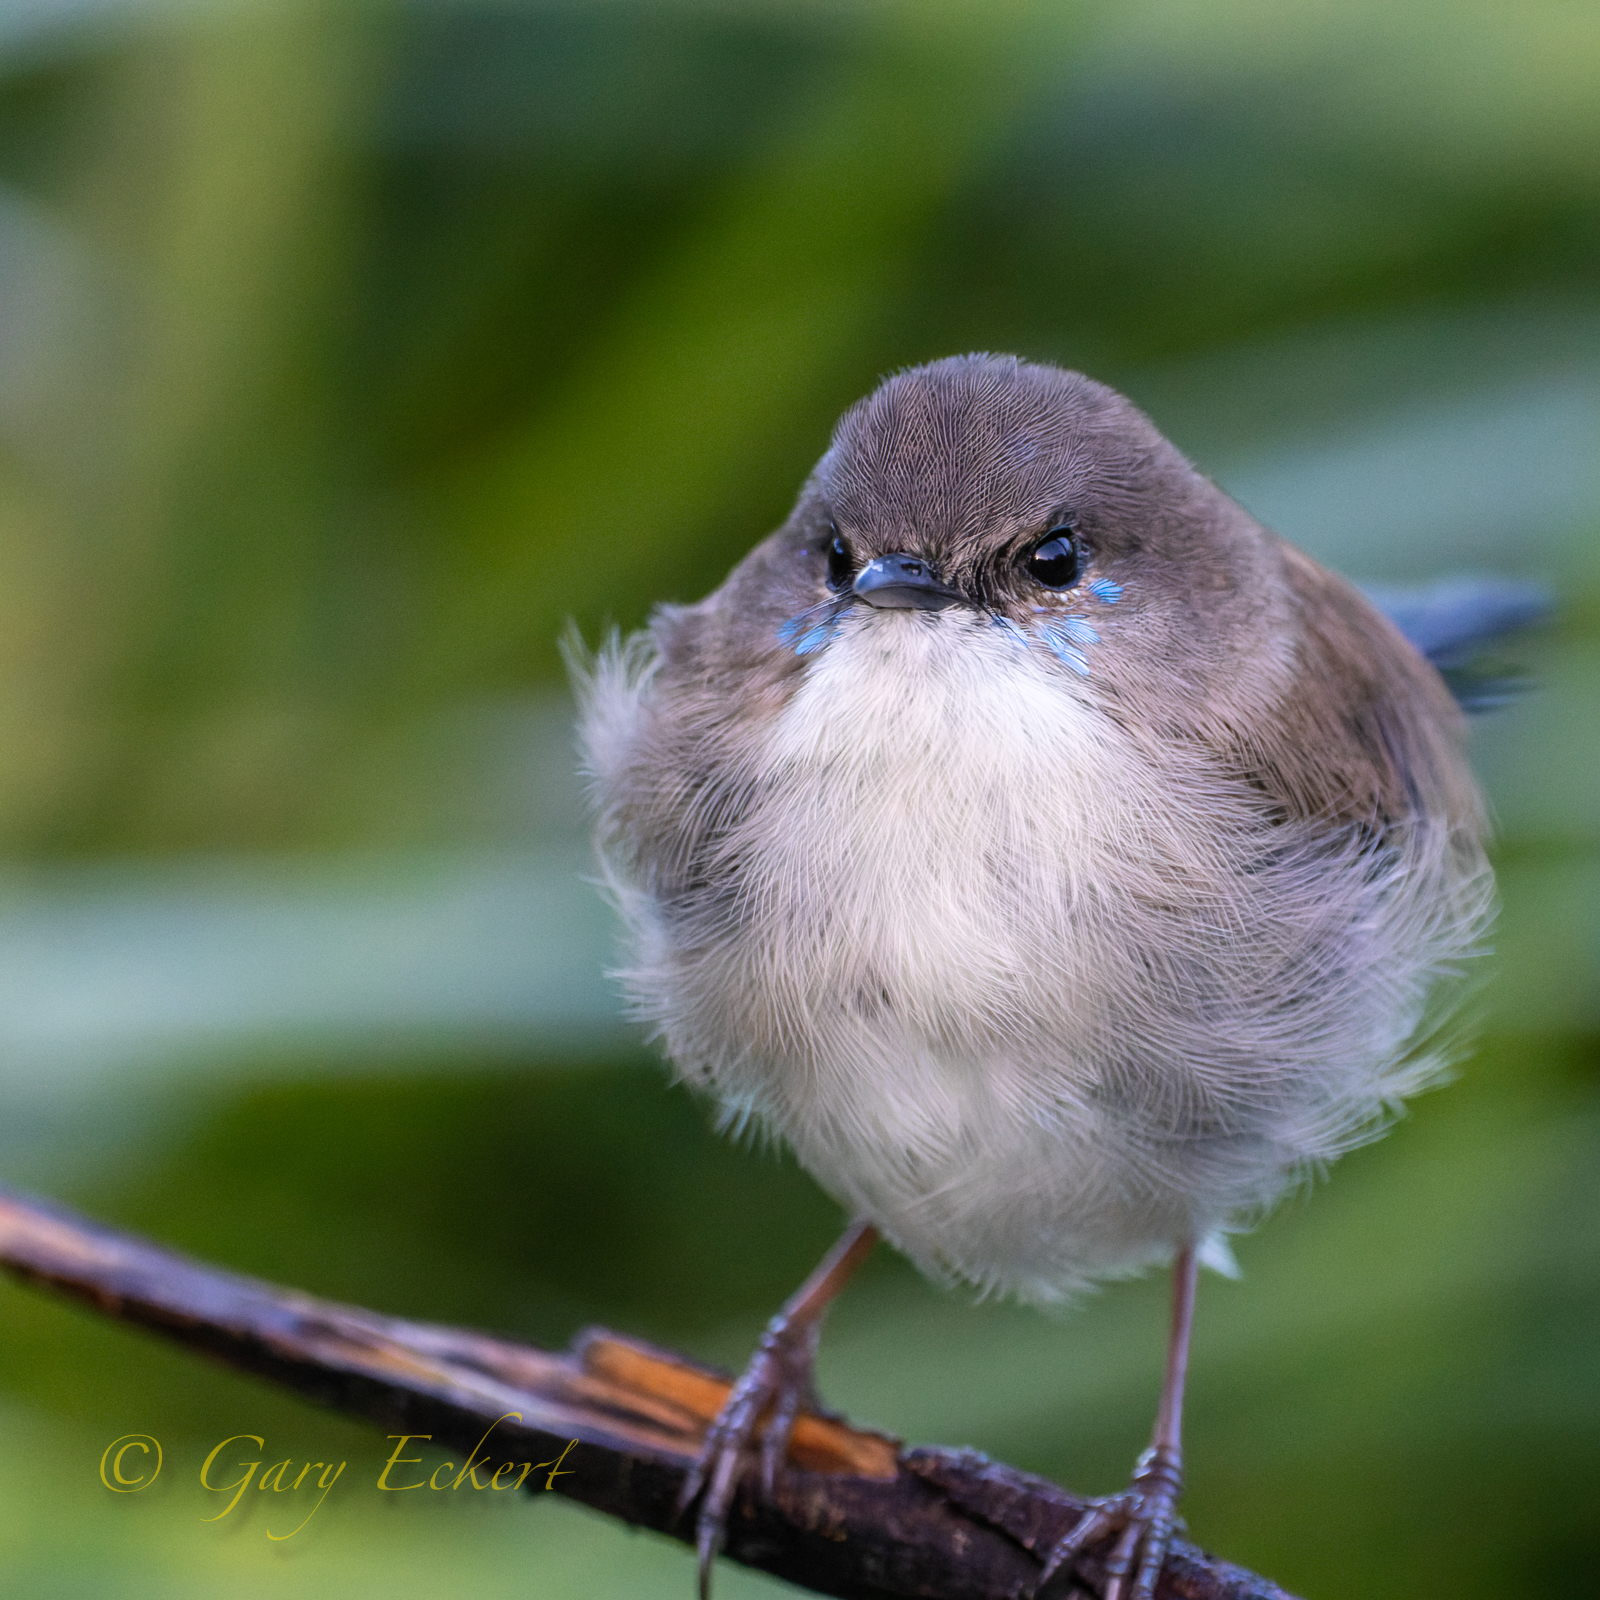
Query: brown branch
x=855 y=1516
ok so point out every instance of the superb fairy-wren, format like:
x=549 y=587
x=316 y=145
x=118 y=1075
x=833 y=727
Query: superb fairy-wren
x=1057 y=859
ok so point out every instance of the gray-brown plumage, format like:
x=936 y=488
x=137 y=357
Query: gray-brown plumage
x=1056 y=858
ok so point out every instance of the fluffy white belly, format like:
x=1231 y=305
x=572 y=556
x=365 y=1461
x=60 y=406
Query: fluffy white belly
x=982 y=965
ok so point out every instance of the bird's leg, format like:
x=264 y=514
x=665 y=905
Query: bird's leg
x=1145 y=1514
x=775 y=1388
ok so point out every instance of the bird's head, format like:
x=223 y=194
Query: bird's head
x=1032 y=500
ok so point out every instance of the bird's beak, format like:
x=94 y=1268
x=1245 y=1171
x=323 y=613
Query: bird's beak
x=903 y=583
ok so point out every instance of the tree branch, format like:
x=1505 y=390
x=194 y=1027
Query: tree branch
x=856 y=1515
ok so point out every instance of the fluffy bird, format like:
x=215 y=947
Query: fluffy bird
x=1060 y=861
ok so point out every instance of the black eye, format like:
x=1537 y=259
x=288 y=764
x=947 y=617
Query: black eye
x=1054 y=561
x=841 y=563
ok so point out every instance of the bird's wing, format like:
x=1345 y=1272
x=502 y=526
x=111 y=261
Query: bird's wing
x=1454 y=620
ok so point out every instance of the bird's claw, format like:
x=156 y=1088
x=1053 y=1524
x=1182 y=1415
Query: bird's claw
x=1144 y=1516
x=764 y=1404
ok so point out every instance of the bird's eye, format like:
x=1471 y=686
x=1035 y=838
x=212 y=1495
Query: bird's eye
x=1054 y=560
x=841 y=563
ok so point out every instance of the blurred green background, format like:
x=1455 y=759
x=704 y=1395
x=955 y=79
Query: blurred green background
x=349 y=346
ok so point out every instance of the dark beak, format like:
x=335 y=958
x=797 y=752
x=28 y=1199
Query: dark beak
x=903 y=583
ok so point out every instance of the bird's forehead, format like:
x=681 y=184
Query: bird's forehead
x=945 y=454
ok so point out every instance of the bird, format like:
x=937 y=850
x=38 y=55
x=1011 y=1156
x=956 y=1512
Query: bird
x=1059 y=861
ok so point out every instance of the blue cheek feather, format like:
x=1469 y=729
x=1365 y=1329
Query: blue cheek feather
x=1060 y=637
x=1010 y=629
x=1076 y=629
x=815 y=638
x=1065 y=636
x=806 y=636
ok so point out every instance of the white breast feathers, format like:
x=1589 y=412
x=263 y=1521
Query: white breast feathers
x=1040 y=1001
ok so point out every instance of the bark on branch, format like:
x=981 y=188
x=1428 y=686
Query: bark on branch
x=857 y=1516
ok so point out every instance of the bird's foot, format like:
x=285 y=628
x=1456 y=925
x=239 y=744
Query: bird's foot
x=762 y=1406
x=1144 y=1516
